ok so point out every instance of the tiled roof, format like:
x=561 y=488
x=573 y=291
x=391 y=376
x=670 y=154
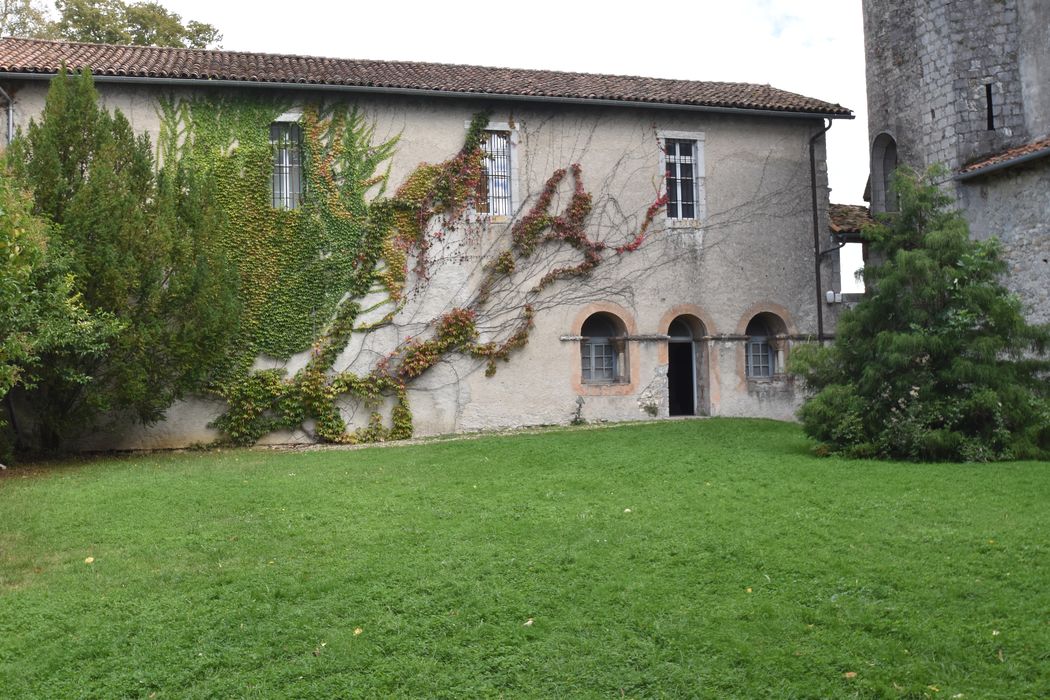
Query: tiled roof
x=35 y=56
x=848 y=218
x=1029 y=151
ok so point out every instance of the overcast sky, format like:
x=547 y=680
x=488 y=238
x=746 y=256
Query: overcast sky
x=813 y=47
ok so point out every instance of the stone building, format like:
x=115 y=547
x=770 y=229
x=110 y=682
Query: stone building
x=966 y=83
x=678 y=229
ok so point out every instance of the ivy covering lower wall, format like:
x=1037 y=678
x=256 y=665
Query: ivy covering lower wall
x=305 y=272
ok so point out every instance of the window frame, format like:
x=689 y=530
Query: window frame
x=599 y=355
x=698 y=139
x=512 y=198
x=285 y=168
x=608 y=351
x=759 y=347
x=764 y=346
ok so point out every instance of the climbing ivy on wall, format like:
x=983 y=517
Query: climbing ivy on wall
x=295 y=265
x=305 y=272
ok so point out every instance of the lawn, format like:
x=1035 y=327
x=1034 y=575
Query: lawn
x=712 y=558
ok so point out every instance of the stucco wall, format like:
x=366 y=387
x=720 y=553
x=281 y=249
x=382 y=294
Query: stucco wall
x=753 y=252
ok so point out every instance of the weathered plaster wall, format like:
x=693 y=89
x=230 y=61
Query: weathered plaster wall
x=753 y=252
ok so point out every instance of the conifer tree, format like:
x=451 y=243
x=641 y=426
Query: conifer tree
x=40 y=313
x=937 y=362
x=138 y=245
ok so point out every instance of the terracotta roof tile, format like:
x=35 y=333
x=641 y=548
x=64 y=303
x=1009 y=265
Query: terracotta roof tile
x=35 y=56
x=848 y=218
x=1035 y=149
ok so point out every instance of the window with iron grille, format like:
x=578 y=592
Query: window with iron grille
x=494 y=189
x=680 y=159
x=286 y=183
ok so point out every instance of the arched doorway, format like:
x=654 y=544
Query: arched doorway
x=686 y=368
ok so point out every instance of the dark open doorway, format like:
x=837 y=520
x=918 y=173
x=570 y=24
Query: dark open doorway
x=681 y=379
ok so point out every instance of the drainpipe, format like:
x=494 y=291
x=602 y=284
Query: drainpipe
x=816 y=229
x=10 y=116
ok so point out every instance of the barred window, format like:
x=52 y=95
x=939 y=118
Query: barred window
x=680 y=158
x=494 y=188
x=286 y=183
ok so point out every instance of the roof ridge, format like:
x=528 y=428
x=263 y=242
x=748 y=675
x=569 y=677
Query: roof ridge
x=403 y=62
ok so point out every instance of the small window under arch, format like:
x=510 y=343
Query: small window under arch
x=603 y=351
x=763 y=357
x=883 y=165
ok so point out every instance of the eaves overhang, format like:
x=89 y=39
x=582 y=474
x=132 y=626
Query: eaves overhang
x=418 y=92
x=997 y=163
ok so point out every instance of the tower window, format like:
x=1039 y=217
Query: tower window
x=989 y=106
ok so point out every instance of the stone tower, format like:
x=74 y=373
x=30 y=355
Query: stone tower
x=966 y=83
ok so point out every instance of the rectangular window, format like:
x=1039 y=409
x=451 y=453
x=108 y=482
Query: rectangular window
x=598 y=361
x=760 y=362
x=287 y=180
x=494 y=188
x=680 y=159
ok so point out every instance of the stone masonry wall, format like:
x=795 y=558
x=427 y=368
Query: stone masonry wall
x=928 y=62
x=1014 y=205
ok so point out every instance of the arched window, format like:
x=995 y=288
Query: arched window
x=883 y=164
x=762 y=346
x=603 y=352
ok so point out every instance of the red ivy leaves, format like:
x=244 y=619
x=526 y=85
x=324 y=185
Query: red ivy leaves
x=650 y=214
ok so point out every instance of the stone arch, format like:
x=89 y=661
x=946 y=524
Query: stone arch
x=883 y=165
x=766 y=329
x=765 y=353
x=687 y=358
x=767 y=307
x=616 y=326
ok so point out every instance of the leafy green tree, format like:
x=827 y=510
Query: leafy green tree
x=105 y=22
x=23 y=18
x=40 y=312
x=937 y=362
x=139 y=247
x=141 y=23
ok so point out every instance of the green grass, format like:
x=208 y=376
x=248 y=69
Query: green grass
x=745 y=568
